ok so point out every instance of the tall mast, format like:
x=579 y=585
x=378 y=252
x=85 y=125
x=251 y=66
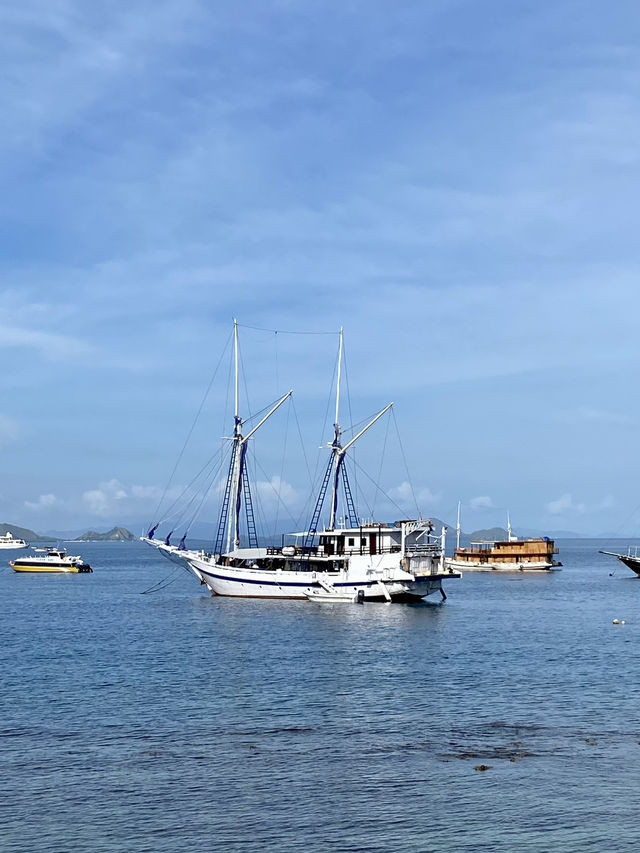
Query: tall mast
x=458 y=529
x=337 y=421
x=240 y=451
x=339 y=454
x=335 y=464
x=233 y=530
x=337 y=458
x=510 y=536
x=237 y=384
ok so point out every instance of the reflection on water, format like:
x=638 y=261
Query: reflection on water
x=179 y=722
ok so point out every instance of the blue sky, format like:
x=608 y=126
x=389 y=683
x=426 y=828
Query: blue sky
x=456 y=183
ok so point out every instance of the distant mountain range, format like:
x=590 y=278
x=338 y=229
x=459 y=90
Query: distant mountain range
x=205 y=531
x=24 y=533
x=116 y=534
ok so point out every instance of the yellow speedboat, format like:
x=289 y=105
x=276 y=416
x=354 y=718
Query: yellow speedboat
x=48 y=560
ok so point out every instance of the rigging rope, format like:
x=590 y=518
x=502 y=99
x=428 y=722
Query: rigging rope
x=382 y=456
x=156 y=587
x=193 y=425
x=282 y=331
x=406 y=466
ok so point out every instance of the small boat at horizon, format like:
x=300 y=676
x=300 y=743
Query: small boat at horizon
x=9 y=542
x=51 y=561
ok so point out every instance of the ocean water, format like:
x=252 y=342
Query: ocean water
x=172 y=721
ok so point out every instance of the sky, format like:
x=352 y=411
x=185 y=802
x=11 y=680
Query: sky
x=454 y=182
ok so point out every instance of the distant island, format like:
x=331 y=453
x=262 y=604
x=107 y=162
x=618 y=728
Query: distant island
x=490 y=534
x=116 y=534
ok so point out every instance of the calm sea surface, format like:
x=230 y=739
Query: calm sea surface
x=173 y=721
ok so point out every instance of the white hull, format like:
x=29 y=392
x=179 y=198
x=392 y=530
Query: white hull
x=10 y=544
x=502 y=568
x=321 y=597
x=335 y=568
x=256 y=583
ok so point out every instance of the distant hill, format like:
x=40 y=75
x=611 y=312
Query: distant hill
x=116 y=534
x=490 y=534
x=23 y=533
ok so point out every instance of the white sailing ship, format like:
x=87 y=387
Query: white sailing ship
x=345 y=558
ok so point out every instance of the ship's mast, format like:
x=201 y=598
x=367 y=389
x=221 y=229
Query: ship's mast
x=239 y=452
x=338 y=450
x=236 y=474
x=509 y=531
x=335 y=468
x=458 y=529
x=336 y=447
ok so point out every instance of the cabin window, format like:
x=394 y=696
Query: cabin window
x=351 y=542
x=363 y=541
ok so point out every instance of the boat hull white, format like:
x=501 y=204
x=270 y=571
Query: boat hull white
x=501 y=568
x=9 y=543
x=321 y=597
x=256 y=583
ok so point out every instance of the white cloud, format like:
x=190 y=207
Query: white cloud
x=52 y=346
x=43 y=502
x=481 y=502
x=102 y=501
x=406 y=493
x=565 y=504
x=146 y=492
x=269 y=491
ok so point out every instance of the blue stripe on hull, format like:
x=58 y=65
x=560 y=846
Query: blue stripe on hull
x=303 y=585
x=314 y=584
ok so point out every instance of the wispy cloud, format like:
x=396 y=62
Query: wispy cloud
x=44 y=502
x=606 y=417
x=103 y=500
x=9 y=431
x=481 y=502
x=406 y=494
x=566 y=505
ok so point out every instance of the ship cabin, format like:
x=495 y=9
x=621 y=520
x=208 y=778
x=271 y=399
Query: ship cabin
x=372 y=539
x=513 y=551
x=412 y=540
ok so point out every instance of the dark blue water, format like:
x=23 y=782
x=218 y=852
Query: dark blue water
x=174 y=721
